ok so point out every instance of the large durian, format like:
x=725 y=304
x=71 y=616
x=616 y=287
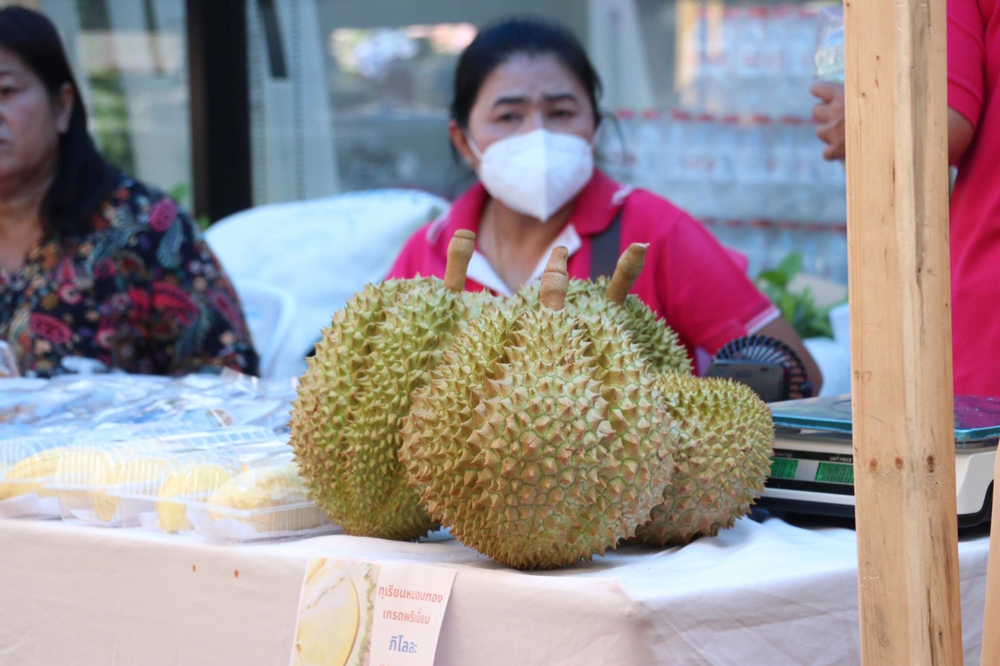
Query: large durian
x=721 y=461
x=661 y=346
x=539 y=440
x=345 y=420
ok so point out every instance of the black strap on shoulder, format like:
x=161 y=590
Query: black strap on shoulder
x=604 y=250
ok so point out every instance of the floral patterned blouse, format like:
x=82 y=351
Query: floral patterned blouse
x=141 y=292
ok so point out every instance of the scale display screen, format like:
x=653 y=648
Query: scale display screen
x=783 y=468
x=816 y=471
x=828 y=472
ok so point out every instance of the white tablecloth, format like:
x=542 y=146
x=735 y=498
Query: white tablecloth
x=762 y=593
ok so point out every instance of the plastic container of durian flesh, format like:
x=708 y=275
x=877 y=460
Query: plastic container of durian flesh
x=267 y=500
x=150 y=490
x=90 y=477
x=28 y=464
x=27 y=468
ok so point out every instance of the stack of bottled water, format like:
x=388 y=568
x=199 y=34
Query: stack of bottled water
x=741 y=153
x=756 y=60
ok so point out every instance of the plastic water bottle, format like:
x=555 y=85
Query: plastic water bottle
x=624 y=160
x=727 y=136
x=676 y=132
x=750 y=68
x=830 y=45
x=697 y=163
x=773 y=67
x=782 y=193
x=752 y=167
x=648 y=151
x=694 y=48
x=718 y=64
x=799 y=25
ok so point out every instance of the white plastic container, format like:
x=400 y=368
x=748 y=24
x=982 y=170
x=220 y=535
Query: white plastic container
x=267 y=501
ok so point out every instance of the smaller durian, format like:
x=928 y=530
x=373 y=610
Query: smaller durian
x=351 y=400
x=720 y=464
x=660 y=344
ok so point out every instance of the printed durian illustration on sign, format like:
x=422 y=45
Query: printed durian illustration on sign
x=335 y=614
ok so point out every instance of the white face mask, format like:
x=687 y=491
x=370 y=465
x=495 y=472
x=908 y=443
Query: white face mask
x=536 y=173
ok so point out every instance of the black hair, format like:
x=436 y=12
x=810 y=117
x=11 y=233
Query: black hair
x=523 y=35
x=83 y=178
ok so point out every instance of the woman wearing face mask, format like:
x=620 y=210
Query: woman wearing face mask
x=525 y=117
x=94 y=264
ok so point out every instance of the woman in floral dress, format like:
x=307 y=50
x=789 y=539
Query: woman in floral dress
x=93 y=263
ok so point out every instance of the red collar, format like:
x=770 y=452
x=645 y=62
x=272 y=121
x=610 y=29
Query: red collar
x=595 y=208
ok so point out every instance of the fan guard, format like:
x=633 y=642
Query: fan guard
x=766 y=350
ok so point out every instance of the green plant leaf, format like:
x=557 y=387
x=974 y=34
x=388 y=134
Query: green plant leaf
x=800 y=309
x=774 y=277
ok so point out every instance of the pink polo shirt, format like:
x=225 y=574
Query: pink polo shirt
x=973 y=82
x=699 y=287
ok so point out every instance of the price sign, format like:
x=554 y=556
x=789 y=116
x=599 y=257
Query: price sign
x=362 y=614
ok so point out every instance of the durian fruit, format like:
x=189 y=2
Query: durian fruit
x=660 y=345
x=192 y=480
x=262 y=497
x=721 y=463
x=539 y=440
x=345 y=421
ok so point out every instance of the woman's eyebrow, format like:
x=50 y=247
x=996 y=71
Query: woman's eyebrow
x=561 y=97
x=521 y=99
x=510 y=99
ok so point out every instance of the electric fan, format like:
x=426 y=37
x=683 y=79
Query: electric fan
x=768 y=366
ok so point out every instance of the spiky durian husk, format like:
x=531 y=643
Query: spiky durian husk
x=351 y=400
x=660 y=345
x=538 y=440
x=721 y=462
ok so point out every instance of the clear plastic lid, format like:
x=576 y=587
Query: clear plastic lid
x=27 y=467
x=90 y=477
x=268 y=500
x=28 y=464
x=84 y=475
x=150 y=488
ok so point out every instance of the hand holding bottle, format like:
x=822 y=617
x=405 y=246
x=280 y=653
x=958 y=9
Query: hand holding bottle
x=829 y=117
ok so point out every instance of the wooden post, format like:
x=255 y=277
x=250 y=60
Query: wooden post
x=991 y=637
x=904 y=457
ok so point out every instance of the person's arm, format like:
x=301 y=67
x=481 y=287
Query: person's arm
x=779 y=329
x=708 y=298
x=829 y=117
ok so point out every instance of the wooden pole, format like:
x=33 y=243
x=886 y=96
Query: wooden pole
x=991 y=637
x=904 y=457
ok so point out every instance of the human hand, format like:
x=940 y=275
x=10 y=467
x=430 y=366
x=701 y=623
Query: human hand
x=829 y=117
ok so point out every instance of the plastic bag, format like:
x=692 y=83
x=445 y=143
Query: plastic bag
x=8 y=362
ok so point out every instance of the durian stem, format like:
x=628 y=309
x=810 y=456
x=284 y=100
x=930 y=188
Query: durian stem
x=555 y=280
x=460 y=250
x=627 y=272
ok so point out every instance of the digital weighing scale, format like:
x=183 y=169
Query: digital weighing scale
x=812 y=467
